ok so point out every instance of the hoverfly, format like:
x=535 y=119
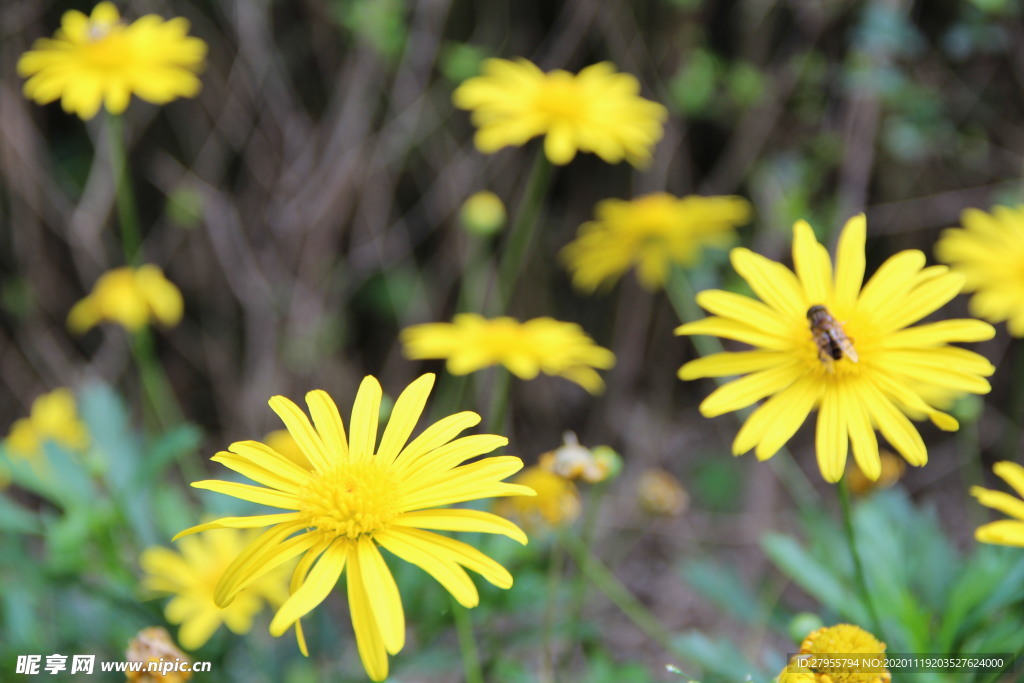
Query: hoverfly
x=829 y=336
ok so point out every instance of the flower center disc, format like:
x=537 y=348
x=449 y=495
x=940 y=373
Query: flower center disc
x=351 y=500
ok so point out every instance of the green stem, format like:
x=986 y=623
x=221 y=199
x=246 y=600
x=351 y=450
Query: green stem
x=586 y=538
x=613 y=589
x=555 y=568
x=523 y=230
x=467 y=644
x=497 y=417
x=131 y=241
x=858 y=568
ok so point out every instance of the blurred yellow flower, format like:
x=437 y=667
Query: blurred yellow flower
x=556 y=504
x=572 y=460
x=282 y=441
x=815 y=663
x=131 y=298
x=471 y=342
x=1004 y=531
x=823 y=342
x=652 y=232
x=54 y=416
x=891 y=472
x=99 y=59
x=190 y=574
x=597 y=110
x=989 y=252
x=660 y=493
x=154 y=644
x=483 y=213
x=355 y=497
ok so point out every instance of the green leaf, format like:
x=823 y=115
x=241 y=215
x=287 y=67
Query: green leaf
x=795 y=562
x=16 y=519
x=105 y=415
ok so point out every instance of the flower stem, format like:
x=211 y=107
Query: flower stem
x=467 y=644
x=613 y=589
x=497 y=416
x=858 y=568
x=131 y=242
x=586 y=538
x=556 y=565
x=523 y=229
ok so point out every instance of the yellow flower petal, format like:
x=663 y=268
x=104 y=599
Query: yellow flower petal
x=318 y=584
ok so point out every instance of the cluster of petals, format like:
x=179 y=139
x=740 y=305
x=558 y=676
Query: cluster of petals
x=99 y=60
x=598 y=110
x=901 y=371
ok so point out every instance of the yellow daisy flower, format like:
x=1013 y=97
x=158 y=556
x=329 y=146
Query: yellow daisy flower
x=471 y=342
x=989 y=252
x=557 y=502
x=660 y=493
x=54 y=416
x=652 y=233
x=356 y=497
x=1004 y=531
x=824 y=342
x=98 y=59
x=130 y=297
x=597 y=110
x=815 y=663
x=191 y=574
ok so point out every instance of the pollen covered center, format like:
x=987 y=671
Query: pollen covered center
x=351 y=500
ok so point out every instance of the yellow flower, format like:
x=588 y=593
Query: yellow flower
x=572 y=460
x=54 y=417
x=862 y=368
x=1005 y=531
x=653 y=233
x=355 y=497
x=191 y=576
x=660 y=493
x=154 y=644
x=98 y=59
x=471 y=342
x=132 y=298
x=989 y=252
x=892 y=470
x=282 y=441
x=840 y=642
x=556 y=504
x=597 y=110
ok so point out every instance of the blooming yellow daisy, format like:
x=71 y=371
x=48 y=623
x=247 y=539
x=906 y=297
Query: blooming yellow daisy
x=471 y=342
x=356 y=497
x=817 y=661
x=989 y=252
x=653 y=233
x=597 y=110
x=54 y=416
x=130 y=297
x=191 y=576
x=824 y=342
x=98 y=59
x=1005 y=531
